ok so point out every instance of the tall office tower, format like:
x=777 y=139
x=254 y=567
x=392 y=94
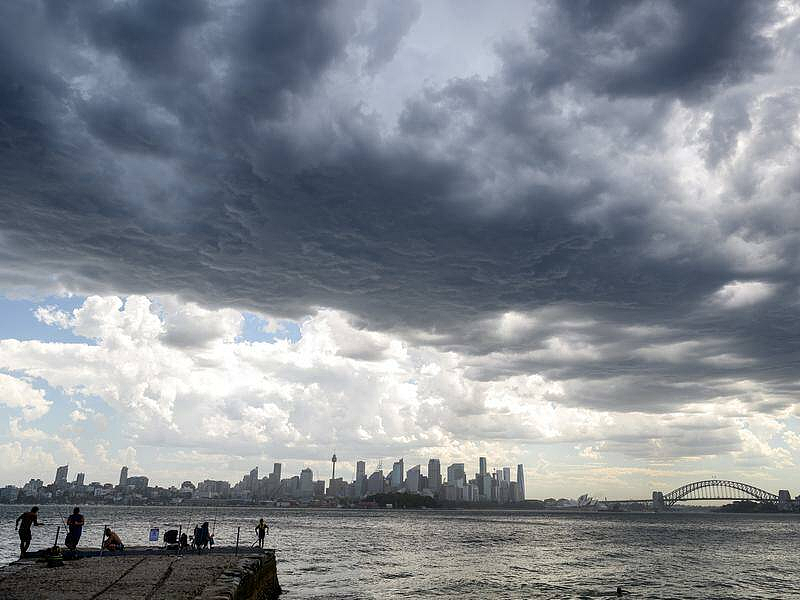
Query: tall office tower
x=434 y=474
x=503 y=492
x=412 y=480
x=319 y=488
x=397 y=474
x=361 y=478
x=273 y=481
x=123 y=476
x=254 y=480
x=456 y=475
x=507 y=474
x=521 y=481
x=307 y=483
x=482 y=465
x=337 y=487
x=375 y=483
x=61 y=475
x=80 y=479
x=485 y=486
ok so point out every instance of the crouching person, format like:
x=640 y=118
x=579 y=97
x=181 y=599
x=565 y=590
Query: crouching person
x=112 y=542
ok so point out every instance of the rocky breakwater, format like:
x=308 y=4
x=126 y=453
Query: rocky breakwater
x=145 y=574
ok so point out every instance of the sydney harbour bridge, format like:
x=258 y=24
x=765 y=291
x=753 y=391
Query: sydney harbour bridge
x=712 y=489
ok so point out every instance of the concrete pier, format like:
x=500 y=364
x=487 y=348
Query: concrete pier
x=145 y=574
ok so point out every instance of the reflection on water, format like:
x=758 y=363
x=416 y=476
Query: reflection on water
x=382 y=554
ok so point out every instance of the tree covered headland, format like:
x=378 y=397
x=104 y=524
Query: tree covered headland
x=748 y=506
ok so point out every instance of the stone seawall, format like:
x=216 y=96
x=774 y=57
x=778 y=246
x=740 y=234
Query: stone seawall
x=145 y=574
x=250 y=578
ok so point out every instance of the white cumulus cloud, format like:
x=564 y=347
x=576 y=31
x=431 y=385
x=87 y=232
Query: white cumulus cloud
x=17 y=393
x=739 y=294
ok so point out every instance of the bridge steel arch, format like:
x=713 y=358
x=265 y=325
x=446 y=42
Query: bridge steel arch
x=718 y=489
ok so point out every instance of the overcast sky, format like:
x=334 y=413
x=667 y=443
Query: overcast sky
x=563 y=234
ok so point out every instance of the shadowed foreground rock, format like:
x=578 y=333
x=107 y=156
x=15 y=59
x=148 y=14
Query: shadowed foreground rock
x=145 y=574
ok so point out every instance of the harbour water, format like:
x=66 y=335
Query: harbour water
x=355 y=554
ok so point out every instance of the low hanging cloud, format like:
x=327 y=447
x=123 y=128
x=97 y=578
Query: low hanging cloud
x=363 y=392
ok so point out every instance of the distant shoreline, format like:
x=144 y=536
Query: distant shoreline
x=718 y=509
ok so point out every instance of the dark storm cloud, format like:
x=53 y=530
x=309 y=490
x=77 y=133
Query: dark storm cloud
x=280 y=48
x=126 y=126
x=150 y=36
x=728 y=122
x=392 y=22
x=198 y=149
x=679 y=48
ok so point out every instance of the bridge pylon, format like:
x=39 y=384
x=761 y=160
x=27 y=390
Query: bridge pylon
x=658 y=502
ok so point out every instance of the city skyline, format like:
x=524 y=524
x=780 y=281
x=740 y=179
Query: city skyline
x=361 y=470
x=484 y=488
x=562 y=234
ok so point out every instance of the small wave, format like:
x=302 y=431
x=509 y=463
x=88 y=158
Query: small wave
x=396 y=575
x=518 y=568
x=315 y=569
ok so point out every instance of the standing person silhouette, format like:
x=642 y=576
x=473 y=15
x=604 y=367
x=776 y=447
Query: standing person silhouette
x=75 y=523
x=261 y=529
x=23 y=525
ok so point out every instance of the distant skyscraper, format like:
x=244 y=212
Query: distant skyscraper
x=397 y=474
x=254 y=479
x=456 y=474
x=482 y=466
x=307 y=483
x=273 y=481
x=361 y=479
x=521 y=481
x=507 y=474
x=123 y=476
x=412 y=480
x=513 y=492
x=337 y=487
x=61 y=475
x=375 y=483
x=80 y=479
x=434 y=474
x=319 y=488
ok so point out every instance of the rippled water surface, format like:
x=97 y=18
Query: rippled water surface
x=432 y=554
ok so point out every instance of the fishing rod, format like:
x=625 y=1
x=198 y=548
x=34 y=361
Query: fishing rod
x=214 y=526
x=66 y=528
